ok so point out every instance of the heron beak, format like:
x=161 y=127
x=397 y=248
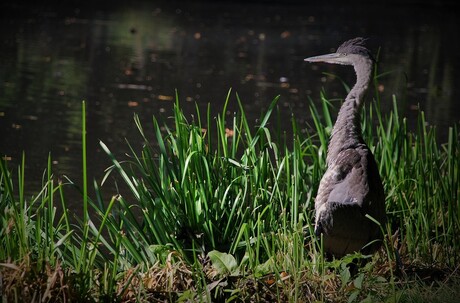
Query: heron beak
x=329 y=58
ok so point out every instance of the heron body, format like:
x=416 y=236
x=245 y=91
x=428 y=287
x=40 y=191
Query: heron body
x=351 y=187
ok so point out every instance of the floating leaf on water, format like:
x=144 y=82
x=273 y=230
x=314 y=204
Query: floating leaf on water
x=165 y=98
x=229 y=132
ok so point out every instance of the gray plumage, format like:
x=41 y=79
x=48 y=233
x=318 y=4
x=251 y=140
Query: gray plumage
x=351 y=186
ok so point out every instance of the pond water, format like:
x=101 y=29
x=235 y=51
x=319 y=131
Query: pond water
x=130 y=58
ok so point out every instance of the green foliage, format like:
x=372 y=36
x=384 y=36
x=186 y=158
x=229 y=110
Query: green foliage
x=220 y=209
x=224 y=264
x=422 y=182
x=31 y=230
x=211 y=184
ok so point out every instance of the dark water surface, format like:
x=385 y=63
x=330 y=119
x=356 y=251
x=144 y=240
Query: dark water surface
x=130 y=58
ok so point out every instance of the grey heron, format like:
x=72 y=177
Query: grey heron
x=351 y=187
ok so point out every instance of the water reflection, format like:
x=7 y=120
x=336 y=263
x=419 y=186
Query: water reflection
x=131 y=58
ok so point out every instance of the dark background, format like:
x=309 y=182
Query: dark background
x=126 y=57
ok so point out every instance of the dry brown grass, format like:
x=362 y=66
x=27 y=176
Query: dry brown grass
x=177 y=280
x=30 y=282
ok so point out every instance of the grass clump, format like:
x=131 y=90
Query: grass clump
x=202 y=187
x=220 y=210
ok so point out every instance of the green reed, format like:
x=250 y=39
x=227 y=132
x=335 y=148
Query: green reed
x=204 y=186
x=421 y=178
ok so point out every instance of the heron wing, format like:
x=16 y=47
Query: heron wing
x=351 y=189
x=351 y=185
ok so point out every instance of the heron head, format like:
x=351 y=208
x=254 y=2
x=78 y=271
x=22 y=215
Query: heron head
x=347 y=54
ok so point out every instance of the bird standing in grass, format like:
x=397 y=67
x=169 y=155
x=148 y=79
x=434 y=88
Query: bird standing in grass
x=351 y=188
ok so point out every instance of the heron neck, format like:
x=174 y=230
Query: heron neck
x=347 y=129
